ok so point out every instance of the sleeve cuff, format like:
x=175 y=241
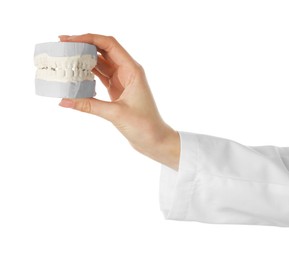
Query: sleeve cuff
x=176 y=186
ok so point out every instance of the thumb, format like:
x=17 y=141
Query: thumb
x=93 y=106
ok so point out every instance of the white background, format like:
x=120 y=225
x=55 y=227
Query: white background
x=70 y=185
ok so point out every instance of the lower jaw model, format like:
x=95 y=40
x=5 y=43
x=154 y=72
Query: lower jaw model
x=64 y=69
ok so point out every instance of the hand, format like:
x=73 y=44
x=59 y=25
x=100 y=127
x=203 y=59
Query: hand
x=132 y=108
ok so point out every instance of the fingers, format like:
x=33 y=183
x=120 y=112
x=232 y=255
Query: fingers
x=106 y=110
x=103 y=79
x=113 y=50
x=104 y=67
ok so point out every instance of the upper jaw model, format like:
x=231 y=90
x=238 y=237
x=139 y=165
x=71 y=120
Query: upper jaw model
x=64 y=69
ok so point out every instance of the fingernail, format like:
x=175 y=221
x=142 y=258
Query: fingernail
x=66 y=37
x=71 y=37
x=68 y=103
x=61 y=36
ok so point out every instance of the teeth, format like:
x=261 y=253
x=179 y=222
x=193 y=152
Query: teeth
x=69 y=74
x=64 y=69
x=60 y=73
x=75 y=73
x=80 y=74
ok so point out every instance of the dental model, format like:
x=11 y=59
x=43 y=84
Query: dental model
x=64 y=69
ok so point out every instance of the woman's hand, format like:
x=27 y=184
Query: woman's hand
x=132 y=108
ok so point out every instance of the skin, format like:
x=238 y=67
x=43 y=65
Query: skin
x=132 y=109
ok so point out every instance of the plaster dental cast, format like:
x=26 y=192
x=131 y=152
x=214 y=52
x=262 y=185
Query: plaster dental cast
x=203 y=178
x=64 y=69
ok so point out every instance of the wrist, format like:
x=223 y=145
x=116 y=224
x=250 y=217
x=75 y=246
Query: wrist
x=163 y=146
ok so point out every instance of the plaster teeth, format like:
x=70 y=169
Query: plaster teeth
x=64 y=69
x=60 y=73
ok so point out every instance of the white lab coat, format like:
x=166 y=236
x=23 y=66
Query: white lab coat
x=222 y=181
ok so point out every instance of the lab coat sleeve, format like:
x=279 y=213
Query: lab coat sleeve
x=222 y=181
